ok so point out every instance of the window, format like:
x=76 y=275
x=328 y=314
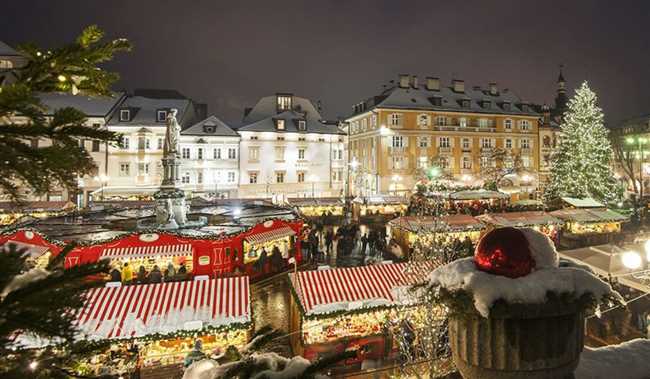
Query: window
x=466 y=143
x=373 y=121
x=486 y=143
x=441 y=120
x=337 y=154
x=462 y=122
x=398 y=163
x=301 y=177
x=302 y=125
x=423 y=142
x=525 y=161
x=508 y=143
x=467 y=163
x=124 y=144
x=253 y=154
x=95 y=147
x=199 y=153
x=279 y=153
x=231 y=176
x=444 y=163
x=125 y=169
x=321 y=139
x=185 y=179
x=485 y=161
x=199 y=177
x=444 y=142
x=302 y=139
x=337 y=176
x=398 y=141
x=254 y=138
x=524 y=125
x=507 y=124
x=280 y=138
x=147 y=143
x=125 y=115
x=284 y=102
x=423 y=162
x=482 y=123
x=395 y=119
x=364 y=124
x=185 y=153
x=423 y=120
x=216 y=153
x=279 y=177
x=279 y=124
x=525 y=144
x=301 y=154
x=160 y=143
x=161 y=115
x=232 y=153
x=143 y=168
x=252 y=177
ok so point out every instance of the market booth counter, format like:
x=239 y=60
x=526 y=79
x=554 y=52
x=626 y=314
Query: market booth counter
x=378 y=208
x=165 y=319
x=268 y=247
x=335 y=309
x=538 y=220
x=407 y=230
x=39 y=248
x=330 y=208
x=584 y=227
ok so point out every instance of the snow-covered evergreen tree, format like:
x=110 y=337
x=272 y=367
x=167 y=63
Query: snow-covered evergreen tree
x=582 y=165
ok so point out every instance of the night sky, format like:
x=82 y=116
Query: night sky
x=230 y=53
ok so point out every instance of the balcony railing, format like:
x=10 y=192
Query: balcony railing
x=445 y=149
x=396 y=150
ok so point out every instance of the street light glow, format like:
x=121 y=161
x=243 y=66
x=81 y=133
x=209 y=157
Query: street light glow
x=631 y=259
x=647 y=250
x=33 y=365
x=354 y=164
x=434 y=172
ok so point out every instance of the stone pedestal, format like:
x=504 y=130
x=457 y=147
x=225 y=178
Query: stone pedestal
x=526 y=342
x=171 y=172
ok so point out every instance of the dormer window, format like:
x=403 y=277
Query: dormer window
x=208 y=128
x=465 y=103
x=302 y=125
x=161 y=115
x=506 y=106
x=487 y=104
x=437 y=101
x=125 y=115
x=284 y=102
x=279 y=124
x=525 y=108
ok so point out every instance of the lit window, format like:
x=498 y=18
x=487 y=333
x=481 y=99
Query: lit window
x=253 y=154
x=216 y=153
x=279 y=124
x=482 y=123
x=525 y=161
x=301 y=154
x=125 y=115
x=161 y=115
x=301 y=177
x=423 y=162
x=279 y=153
x=423 y=142
x=524 y=124
x=302 y=125
x=508 y=143
x=525 y=144
x=444 y=142
x=279 y=177
x=284 y=102
x=398 y=162
x=398 y=141
x=125 y=169
x=462 y=122
x=185 y=153
x=466 y=143
x=441 y=120
x=395 y=119
x=231 y=176
x=467 y=163
x=124 y=143
x=486 y=143
x=252 y=177
x=507 y=124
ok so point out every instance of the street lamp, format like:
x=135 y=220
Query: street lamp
x=631 y=260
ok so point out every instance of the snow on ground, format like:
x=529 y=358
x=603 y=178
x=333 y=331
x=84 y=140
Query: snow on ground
x=629 y=360
x=530 y=289
x=292 y=368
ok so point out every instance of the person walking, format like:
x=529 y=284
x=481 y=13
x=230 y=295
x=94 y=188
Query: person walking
x=364 y=243
x=329 y=241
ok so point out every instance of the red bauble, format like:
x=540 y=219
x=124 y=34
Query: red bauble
x=506 y=252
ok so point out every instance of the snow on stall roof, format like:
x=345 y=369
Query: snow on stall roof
x=291 y=367
x=629 y=360
x=519 y=219
x=530 y=289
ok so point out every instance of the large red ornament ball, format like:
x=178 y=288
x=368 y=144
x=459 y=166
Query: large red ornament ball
x=505 y=252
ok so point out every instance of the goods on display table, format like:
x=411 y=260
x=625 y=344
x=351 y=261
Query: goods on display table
x=335 y=309
x=165 y=319
x=267 y=247
x=39 y=249
x=408 y=229
x=319 y=207
x=379 y=206
x=590 y=221
x=538 y=220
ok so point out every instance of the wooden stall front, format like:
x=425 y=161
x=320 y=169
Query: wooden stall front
x=335 y=309
x=406 y=230
x=379 y=207
x=327 y=208
x=585 y=227
x=165 y=319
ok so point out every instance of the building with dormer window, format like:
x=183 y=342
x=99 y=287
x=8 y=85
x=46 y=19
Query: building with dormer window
x=287 y=149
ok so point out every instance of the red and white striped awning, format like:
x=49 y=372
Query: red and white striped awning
x=139 y=310
x=148 y=251
x=270 y=235
x=318 y=289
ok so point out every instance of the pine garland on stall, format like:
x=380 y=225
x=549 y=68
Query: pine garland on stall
x=582 y=165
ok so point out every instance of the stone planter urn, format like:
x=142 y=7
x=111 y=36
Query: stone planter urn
x=523 y=342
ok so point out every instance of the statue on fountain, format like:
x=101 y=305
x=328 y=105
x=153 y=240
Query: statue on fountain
x=172 y=135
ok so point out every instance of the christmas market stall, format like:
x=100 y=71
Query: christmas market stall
x=456 y=227
x=319 y=208
x=267 y=247
x=11 y=212
x=336 y=309
x=39 y=248
x=164 y=320
x=477 y=201
x=538 y=220
x=378 y=207
x=584 y=227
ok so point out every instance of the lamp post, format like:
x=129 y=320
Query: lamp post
x=637 y=143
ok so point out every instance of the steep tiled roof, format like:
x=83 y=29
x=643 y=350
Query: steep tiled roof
x=262 y=117
x=8 y=51
x=91 y=106
x=144 y=111
x=219 y=128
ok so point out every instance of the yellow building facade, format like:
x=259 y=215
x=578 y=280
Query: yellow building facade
x=397 y=136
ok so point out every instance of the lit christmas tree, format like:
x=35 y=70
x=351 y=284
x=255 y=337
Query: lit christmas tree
x=581 y=167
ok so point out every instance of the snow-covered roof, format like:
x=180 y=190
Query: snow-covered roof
x=584 y=215
x=139 y=310
x=331 y=290
x=456 y=222
x=211 y=126
x=8 y=51
x=587 y=202
x=91 y=106
x=477 y=195
x=144 y=111
x=519 y=219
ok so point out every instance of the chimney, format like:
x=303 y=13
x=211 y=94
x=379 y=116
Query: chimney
x=433 y=84
x=476 y=88
x=494 y=91
x=459 y=85
x=404 y=81
x=414 y=81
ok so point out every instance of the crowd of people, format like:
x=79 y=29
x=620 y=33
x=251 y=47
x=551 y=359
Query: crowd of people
x=127 y=275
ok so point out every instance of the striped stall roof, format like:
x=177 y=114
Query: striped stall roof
x=139 y=310
x=270 y=235
x=318 y=289
x=147 y=251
